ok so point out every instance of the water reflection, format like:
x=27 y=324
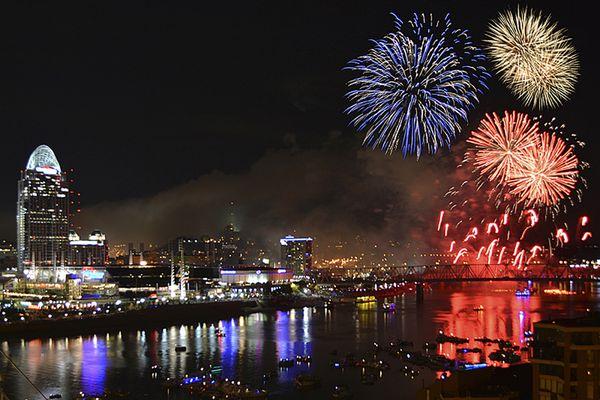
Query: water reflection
x=94 y=363
x=253 y=344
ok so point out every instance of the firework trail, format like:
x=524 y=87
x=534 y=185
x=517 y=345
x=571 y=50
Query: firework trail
x=484 y=244
x=416 y=86
x=533 y=57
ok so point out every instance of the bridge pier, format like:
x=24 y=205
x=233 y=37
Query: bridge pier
x=420 y=293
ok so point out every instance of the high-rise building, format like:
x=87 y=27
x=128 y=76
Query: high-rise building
x=231 y=248
x=296 y=254
x=566 y=359
x=42 y=212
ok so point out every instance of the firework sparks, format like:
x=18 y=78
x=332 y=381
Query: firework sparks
x=517 y=245
x=562 y=236
x=518 y=260
x=584 y=220
x=548 y=175
x=586 y=236
x=533 y=57
x=500 y=143
x=502 y=250
x=461 y=253
x=534 y=252
x=416 y=86
x=441 y=218
x=492 y=227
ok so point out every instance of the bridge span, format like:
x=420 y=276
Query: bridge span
x=467 y=272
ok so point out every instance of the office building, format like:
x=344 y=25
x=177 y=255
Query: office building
x=296 y=254
x=42 y=212
x=230 y=250
x=566 y=359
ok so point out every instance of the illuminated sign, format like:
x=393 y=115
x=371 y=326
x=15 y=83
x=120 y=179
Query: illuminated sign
x=92 y=274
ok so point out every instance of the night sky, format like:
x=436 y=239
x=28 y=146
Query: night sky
x=168 y=111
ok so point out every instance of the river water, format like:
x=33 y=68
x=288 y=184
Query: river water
x=253 y=344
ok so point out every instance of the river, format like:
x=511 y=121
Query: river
x=254 y=343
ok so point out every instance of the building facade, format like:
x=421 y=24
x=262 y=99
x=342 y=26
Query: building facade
x=92 y=252
x=253 y=275
x=566 y=359
x=297 y=254
x=230 y=248
x=42 y=212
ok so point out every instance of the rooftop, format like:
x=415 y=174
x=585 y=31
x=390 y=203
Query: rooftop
x=44 y=160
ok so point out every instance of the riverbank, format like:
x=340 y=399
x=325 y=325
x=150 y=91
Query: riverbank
x=155 y=317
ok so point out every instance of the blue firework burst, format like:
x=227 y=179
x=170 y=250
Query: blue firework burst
x=416 y=86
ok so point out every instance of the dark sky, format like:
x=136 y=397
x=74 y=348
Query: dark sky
x=143 y=97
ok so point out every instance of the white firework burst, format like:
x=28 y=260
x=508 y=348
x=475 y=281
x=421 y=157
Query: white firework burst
x=533 y=57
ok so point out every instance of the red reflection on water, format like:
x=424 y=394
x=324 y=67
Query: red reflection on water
x=497 y=314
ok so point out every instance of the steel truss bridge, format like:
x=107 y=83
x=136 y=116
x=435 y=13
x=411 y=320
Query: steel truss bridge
x=467 y=272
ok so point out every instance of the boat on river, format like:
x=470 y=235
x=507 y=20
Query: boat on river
x=442 y=338
x=341 y=392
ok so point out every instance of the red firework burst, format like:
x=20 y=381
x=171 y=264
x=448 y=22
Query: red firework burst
x=500 y=143
x=548 y=173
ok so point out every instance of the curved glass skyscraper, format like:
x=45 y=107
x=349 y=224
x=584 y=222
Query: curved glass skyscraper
x=42 y=212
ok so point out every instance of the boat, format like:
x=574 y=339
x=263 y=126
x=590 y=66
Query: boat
x=306 y=381
x=269 y=376
x=523 y=292
x=410 y=371
x=180 y=349
x=465 y=350
x=504 y=356
x=478 y=308
x=55 y=396
x=341 y=392
x=365 y=299
x=286 y=363
x=207 y=386
x=429 y=346
x=378 y=365
x=303 y=359
x=471 y=366
x=441 y=338
x=105 y=396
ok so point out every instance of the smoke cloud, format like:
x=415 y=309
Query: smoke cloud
x=336 y=193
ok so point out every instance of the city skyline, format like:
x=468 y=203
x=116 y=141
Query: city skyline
x=304 y=200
